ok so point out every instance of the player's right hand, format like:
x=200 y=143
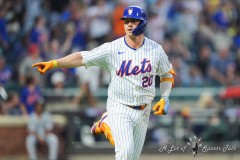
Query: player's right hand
x=161 y=108
x=45 y=66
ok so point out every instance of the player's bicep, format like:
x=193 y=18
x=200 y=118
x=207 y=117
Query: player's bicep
x=164 y=68
x=164 y=65
x=97 y=57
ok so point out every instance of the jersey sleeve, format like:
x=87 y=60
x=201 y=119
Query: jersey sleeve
x=164 y=65
x=97 y=57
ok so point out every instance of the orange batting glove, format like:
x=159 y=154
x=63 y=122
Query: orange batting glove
x=161 y=108
x=45 y=66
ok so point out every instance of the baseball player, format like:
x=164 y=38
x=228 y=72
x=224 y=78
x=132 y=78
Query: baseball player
x=133 y=62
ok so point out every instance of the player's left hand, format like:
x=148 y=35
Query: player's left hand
x=161 y=108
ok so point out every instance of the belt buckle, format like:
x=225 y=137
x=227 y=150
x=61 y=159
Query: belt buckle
x=141 y=107
x=137 y=107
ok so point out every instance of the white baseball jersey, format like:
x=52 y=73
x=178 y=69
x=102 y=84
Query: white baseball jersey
x=132 y=70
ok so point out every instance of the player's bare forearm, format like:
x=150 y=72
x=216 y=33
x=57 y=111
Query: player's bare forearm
x=70 y=61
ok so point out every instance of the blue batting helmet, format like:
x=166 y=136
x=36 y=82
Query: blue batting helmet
x=136 y=12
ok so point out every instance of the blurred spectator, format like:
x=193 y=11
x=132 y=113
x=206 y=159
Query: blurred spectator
x=224 y=14
x=39 y=34
x=140 y=3
x=13 y=106
x=195 y=77
x=33 y=9
x=76 y=13
x=221 y=40
x=216 y=131
x=40 y=127
x=55 y=9
x=237 y=62
x=157 y=29
x=16 y=20
x=203 y=36
x=58 y=49
x=236 y=40
x=72 y=77
x=30 y=94
x=203 y=61
x=161 y=8
x=182 y=69
x=89 y=82
x=58 y=83
x=218 y=36
x=57 y=80
x=178 y=48
x=3 y=94
x=212 y=5
x=4 y=39
x=5 y=71
x=222 y=68
x=99 y=15
x=187 y=75
x=25 y=68
x=186 y=20
x=117 y=23
x=206 y=100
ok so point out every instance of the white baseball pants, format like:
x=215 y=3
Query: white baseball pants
x=128 y=127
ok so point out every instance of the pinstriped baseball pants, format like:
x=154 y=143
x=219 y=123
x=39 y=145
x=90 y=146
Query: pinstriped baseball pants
x=129 y=127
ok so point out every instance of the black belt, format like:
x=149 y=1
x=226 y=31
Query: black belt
x=141 y=107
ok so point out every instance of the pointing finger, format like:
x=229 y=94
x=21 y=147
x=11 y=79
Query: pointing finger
x=36 y=64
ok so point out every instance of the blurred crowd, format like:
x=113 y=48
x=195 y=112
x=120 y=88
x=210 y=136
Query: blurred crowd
x=201 y=38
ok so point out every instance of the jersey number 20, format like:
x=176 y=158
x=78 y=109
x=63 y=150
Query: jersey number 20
x=147 y=81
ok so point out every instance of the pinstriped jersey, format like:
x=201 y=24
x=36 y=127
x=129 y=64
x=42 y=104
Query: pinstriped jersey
x=132 y=70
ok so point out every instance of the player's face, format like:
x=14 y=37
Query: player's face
x=130 y=24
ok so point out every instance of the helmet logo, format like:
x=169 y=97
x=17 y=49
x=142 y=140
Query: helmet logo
x=130 y=10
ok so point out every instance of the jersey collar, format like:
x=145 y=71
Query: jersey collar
x=131 y=47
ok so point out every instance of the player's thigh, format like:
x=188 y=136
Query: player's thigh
x=120 y=124
x=139 y=132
